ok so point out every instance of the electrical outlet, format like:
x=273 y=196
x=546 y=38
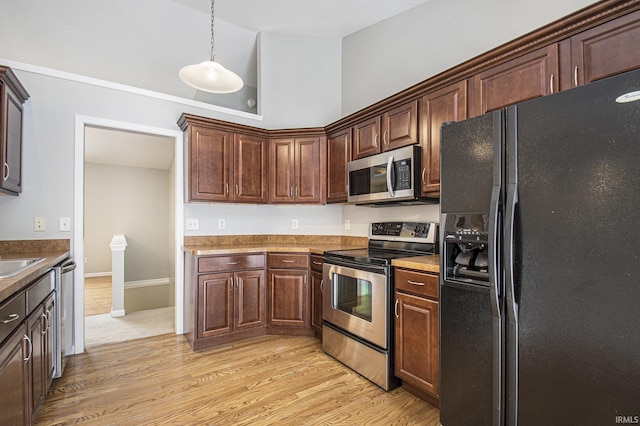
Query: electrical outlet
x=39 y=224
x=222 y=224
x=294 y=224
x=65 y=224
x=86 y=260
x=347 y=224
x=192 y=224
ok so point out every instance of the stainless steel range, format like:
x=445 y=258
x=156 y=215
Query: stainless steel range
x=357 y=297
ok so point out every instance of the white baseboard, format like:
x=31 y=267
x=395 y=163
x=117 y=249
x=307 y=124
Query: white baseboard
x=97 y=274
x=147 y=283
x=117 y=313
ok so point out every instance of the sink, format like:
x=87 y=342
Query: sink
x=11 y=267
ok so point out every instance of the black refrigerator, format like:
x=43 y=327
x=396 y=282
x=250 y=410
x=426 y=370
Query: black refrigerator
x=540 y=261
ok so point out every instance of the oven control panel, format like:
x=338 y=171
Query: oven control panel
x=404 y=231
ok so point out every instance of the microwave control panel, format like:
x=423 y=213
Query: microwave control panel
x=403 y=174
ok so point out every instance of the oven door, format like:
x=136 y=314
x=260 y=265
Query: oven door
x=357 y=301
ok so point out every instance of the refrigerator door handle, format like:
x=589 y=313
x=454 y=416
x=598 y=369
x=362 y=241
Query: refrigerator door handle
x=493 y=251
x=512 y=201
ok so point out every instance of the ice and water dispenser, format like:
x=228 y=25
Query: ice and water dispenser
x=466 y=245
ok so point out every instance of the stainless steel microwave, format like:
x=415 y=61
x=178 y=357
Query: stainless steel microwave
x=392 y=177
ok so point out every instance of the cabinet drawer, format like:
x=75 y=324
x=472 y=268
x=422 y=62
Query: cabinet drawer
x=286 y=260
x=39 y=291
x=230 y=263
x=416 y=282
x=12 y=313
x=316 y=263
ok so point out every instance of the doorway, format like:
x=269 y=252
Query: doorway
x=120 y=166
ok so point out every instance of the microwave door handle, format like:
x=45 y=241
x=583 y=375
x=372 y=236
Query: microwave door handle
x=390 y=175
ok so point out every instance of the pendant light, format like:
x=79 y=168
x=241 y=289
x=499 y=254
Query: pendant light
x=210 y=76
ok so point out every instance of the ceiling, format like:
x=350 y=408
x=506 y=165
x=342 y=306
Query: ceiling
x=124 y=148
x=337 y=18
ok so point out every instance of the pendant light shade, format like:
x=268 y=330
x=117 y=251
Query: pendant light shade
x=210 y=76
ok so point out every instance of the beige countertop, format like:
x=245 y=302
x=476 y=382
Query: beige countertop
x=419 y=263
x=313 y=244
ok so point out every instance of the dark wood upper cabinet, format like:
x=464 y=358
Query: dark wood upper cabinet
x=441 y=106
x=393 y=129
x=366 y=138
x=295 y=170
x=527 y=77
x=12 y=96
x=210 y=155
x=606 y=50
x=226 y=166
x=249 y=169
x=338 y=155
x=400 y=126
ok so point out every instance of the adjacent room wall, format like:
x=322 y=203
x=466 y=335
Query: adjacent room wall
x=132 y=201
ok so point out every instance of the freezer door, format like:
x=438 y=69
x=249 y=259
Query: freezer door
x=574 y=321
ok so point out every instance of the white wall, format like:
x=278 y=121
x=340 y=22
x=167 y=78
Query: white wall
x=299 y=81
x=406 y=49
x=133 y=201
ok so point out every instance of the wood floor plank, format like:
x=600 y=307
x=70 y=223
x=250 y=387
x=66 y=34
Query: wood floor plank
x=281 y=380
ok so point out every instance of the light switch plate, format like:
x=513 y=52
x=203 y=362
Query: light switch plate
x=65 y=224
x=192 y=224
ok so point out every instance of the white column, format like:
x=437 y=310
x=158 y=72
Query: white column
x=118 y=246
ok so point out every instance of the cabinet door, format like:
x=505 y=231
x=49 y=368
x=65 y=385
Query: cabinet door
x=366 y=138
x=215 y=304
x=250 y=299
x=249 y=169
x=316 y=301
x=209 y=164
x=338 y=155
x=400 y=126
x=307 y=170
x=606 y=50
x=288 y=298
x=447 y=104
x=12 y=140
x=36 y=325
x=417 y=334
x=281 y=170
x=527 y=77
x=14 y=380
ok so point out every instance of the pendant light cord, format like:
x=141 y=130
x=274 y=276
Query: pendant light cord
x=213 y=53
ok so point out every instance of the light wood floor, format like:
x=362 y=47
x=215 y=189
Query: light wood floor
x=97 y=295
x=279 y=380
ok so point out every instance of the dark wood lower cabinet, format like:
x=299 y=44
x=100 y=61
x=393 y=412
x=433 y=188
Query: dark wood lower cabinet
x=14 y=379
x=417 y=334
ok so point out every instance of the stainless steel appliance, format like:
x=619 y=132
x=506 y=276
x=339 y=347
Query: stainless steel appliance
x=539 y=313
x=387 y=178
x=63 y=273
x=357 y=295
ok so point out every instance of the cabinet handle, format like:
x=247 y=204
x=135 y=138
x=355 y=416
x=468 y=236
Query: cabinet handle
x=237 y=282
x=226 y=189
x=317 y=263
x=48 y=319
x=296 y=191
x=45 y=322
x=384 y=138
x=291 y=192
x=551 y=83
x=237 y=190
x=28 y=357
x=575 y=76
x=424 y=170
x=287 y=261
x=10 y=318
x=375 y=141
x=395 y=308
x=415 y=283
x=232 y=263
x=321 y=284
x=6 y=168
